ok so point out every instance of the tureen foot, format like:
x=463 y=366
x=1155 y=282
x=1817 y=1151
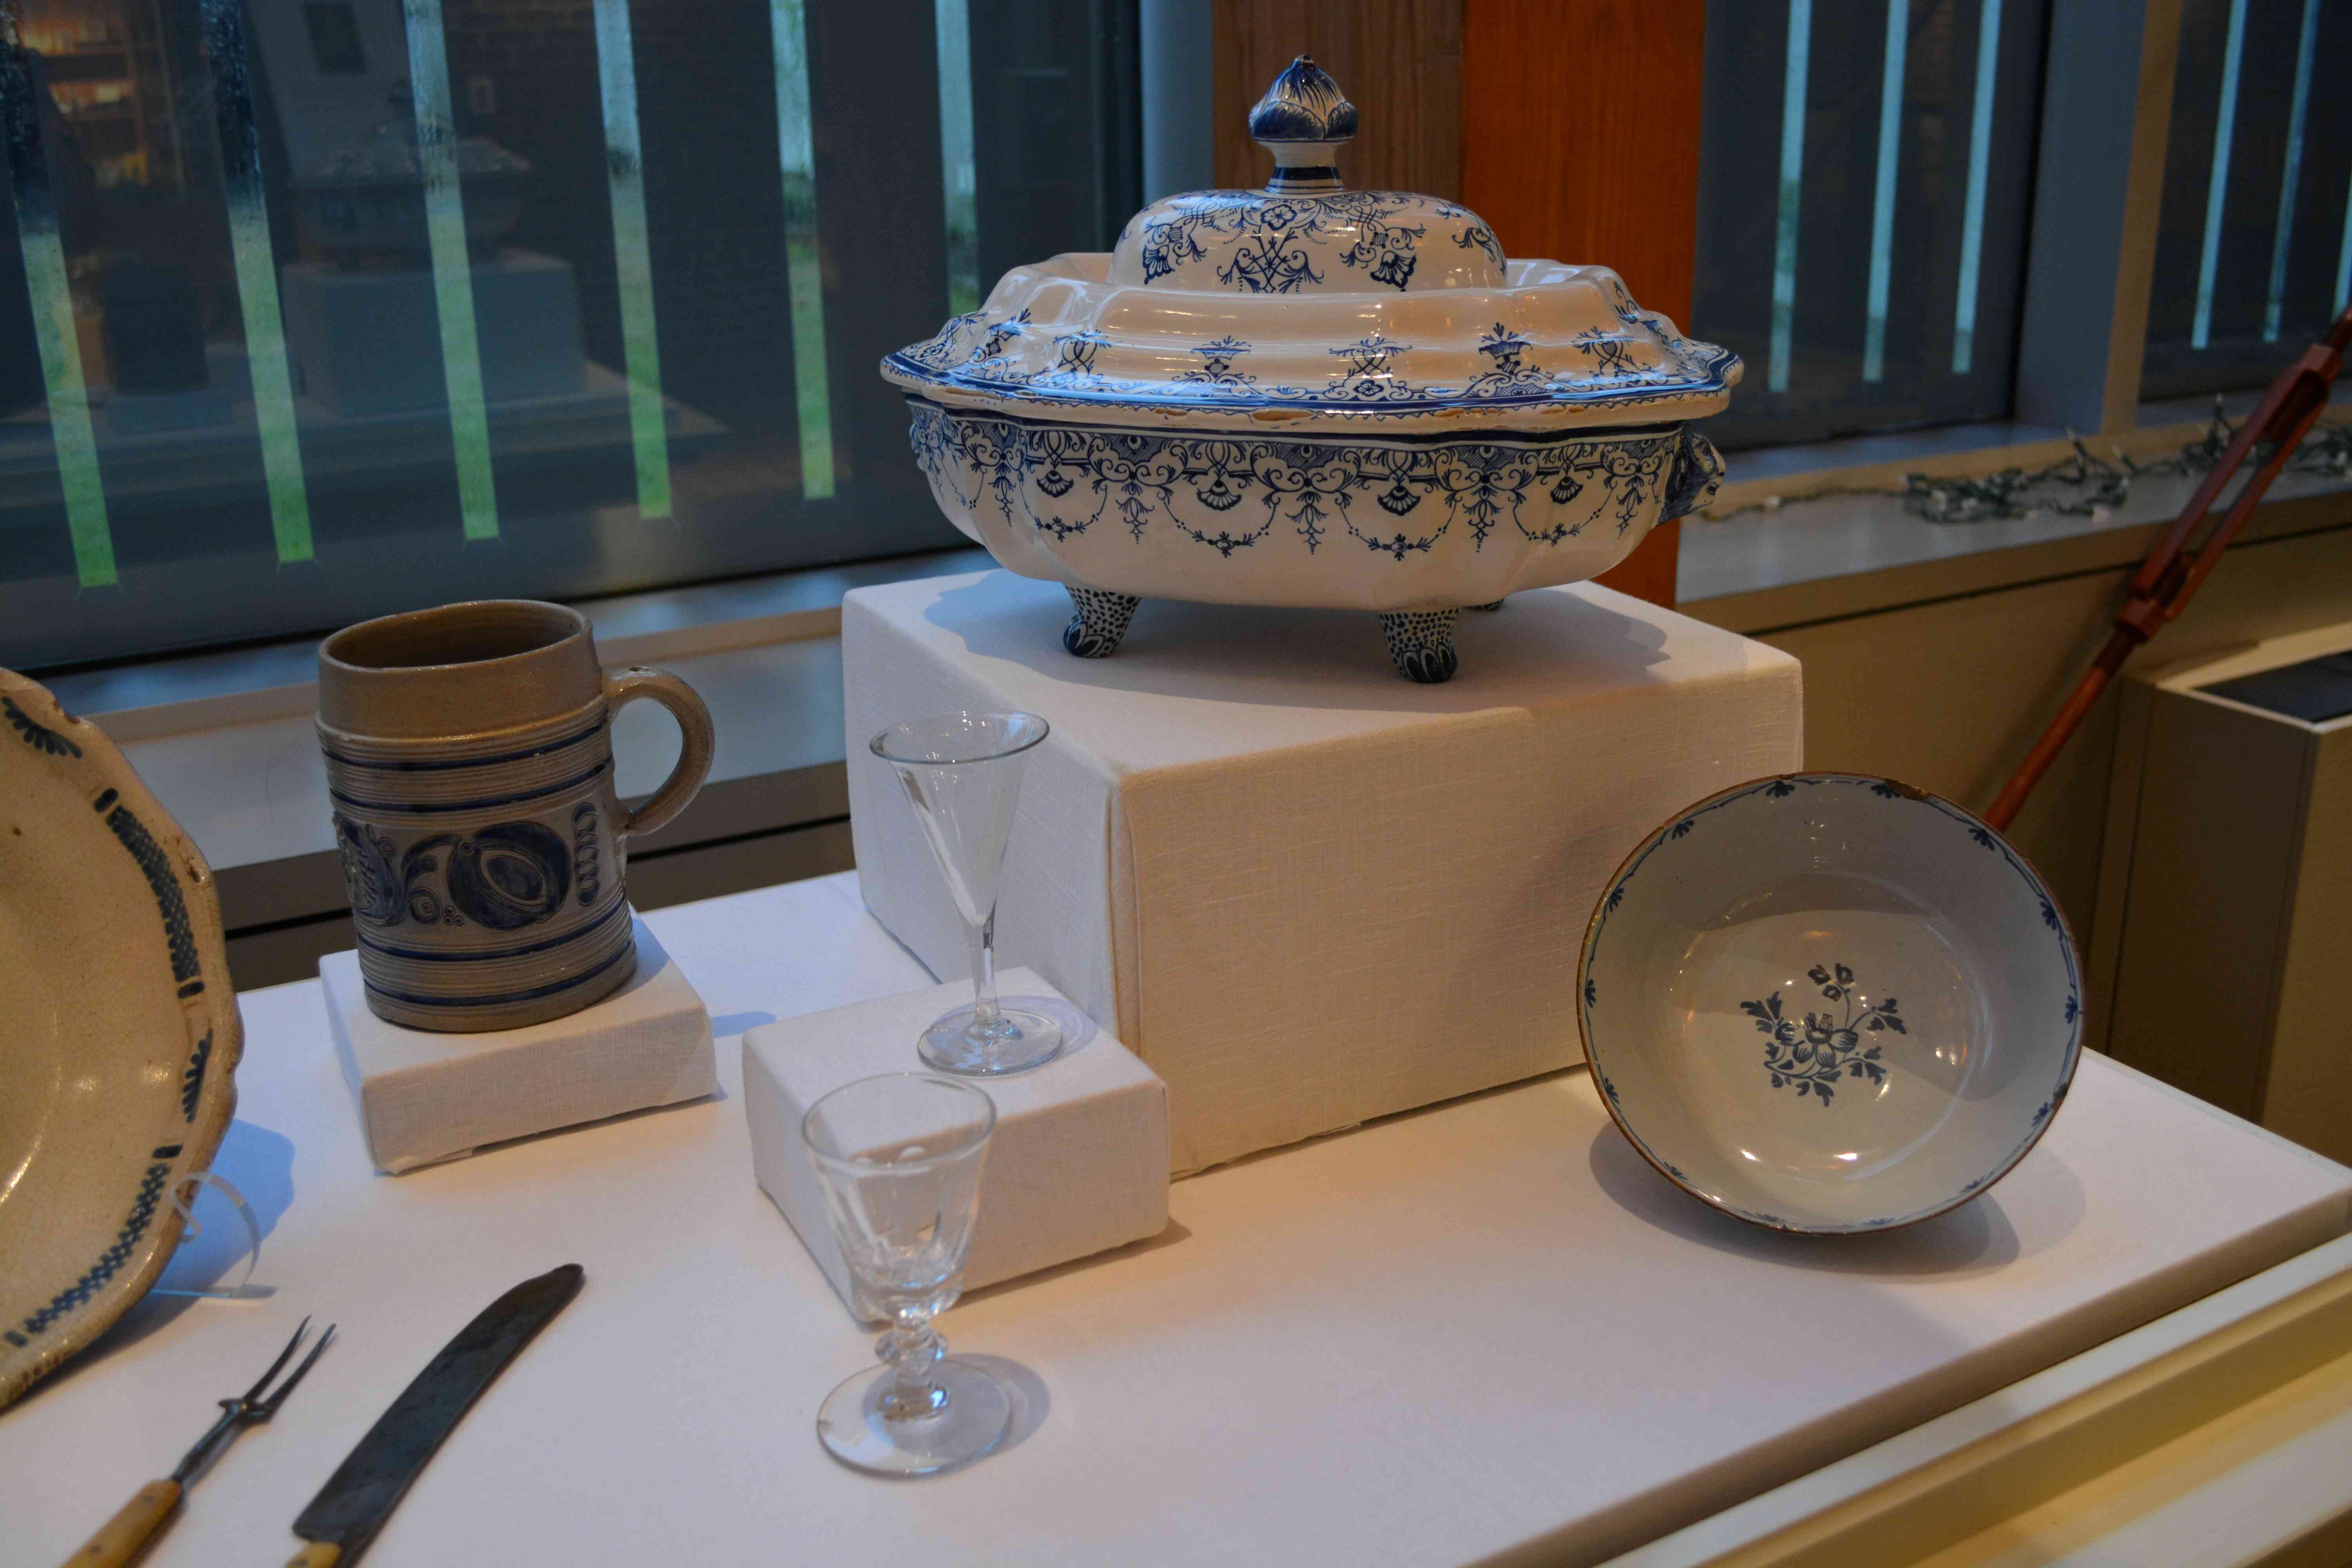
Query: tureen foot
x=1095 y=631
x=1421 y=643
x=1490 y=608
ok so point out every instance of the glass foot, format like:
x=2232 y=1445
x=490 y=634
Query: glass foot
x=1018 y=1040
x=968 y=1422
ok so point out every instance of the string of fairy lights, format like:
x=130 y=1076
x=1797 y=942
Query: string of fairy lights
x=2082 y=483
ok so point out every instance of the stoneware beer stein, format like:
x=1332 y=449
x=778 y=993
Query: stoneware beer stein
x=469 y=761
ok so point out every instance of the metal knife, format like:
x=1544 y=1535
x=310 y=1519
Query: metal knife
x=359 y=1496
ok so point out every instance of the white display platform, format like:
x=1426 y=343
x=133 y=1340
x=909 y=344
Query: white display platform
x=1078 y=1162
x=1484 y=1330
x=425 y=1097
x=1305 y=891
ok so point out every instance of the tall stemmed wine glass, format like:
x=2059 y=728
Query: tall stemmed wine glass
x=962 y=775
x=900 y=1158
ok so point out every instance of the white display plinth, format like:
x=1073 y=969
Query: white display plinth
x=1077 y=1164
x=1489 y=1333
x=1305 y=891
x=425 y=1097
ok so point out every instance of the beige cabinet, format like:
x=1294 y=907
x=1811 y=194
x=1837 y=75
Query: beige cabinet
x=2223 y=946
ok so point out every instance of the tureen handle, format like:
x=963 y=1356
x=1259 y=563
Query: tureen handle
x=1696 y=474
x=1303 y=120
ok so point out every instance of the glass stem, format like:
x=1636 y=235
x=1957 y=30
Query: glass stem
x=912 y=1348
x=984 y=1010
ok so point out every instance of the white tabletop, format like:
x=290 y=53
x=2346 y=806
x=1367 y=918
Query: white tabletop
x=1455 y=1333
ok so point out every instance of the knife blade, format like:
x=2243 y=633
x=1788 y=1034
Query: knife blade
x=360 y=1495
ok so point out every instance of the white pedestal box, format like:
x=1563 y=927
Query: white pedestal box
x=1078 y=1162
x=425 y=1097
x=1306 y=892
x=2228 y=856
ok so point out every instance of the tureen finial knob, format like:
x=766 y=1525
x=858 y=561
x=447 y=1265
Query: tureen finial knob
x=1303 y=120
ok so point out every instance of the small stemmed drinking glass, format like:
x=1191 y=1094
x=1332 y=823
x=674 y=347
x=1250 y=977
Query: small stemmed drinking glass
x=961 y=772
x=899 y=1159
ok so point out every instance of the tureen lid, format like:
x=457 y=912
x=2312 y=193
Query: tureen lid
x=1305 y=301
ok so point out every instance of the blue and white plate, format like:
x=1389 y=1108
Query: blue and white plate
x=119 y=1032
x=1830 y=1004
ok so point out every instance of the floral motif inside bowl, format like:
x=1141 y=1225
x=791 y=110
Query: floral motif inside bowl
x=1311 y=397
x=1830 y=1002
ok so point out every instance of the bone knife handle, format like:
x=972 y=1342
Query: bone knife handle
x=118 y=1541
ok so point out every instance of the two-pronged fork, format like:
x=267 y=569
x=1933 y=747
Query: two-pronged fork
x=120 y=1539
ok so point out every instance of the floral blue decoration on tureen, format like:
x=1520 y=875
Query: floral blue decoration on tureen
x=1249 y=375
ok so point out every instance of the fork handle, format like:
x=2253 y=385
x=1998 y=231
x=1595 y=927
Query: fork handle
x=118 y=1541
x=316 y=1555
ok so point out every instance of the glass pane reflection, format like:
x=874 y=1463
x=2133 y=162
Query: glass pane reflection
x=2254 y=242
x=1865 y=173
x=312 y=309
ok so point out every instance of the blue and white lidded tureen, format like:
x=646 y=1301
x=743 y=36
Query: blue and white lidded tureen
x=1307 y=396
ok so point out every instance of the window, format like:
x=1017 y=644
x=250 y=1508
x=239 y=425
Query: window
x=312 y=309
x=2255 y=248
x=1865 y=183
x=1869 y=237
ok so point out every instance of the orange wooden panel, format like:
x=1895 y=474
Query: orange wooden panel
x=1399 y=61
x=1649 y=571
x=1579 y=135
x=1580 y=141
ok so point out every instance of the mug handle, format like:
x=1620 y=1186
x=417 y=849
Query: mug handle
x=694 y=757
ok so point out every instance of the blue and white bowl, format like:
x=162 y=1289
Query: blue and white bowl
x=1831 y=1004
x=1308 y=395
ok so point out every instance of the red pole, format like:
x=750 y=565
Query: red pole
x=2173 y=571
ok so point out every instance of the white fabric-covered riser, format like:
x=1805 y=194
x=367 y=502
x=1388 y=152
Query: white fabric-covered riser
x=425 y=1097
x=1078 y=1162
x=1305 y=892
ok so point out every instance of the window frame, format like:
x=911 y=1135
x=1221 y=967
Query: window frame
x=2109 y=69
x=2107 y=85
x=106 y=605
